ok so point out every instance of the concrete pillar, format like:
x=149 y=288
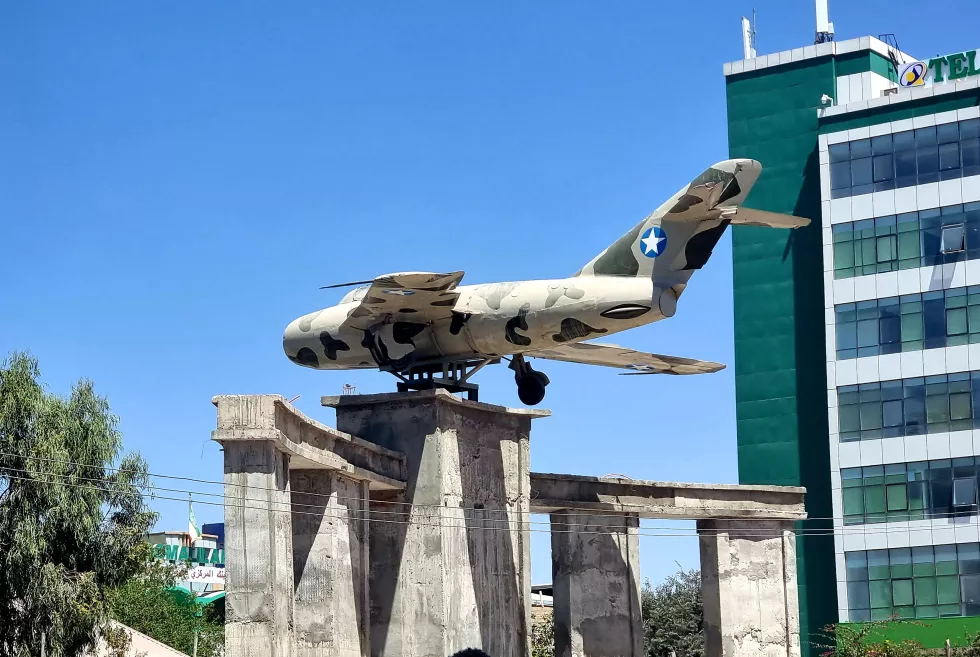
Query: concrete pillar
x=748 y=573
x=450 y=561
x=258 y=551
x=330 y=564
x=596 y=578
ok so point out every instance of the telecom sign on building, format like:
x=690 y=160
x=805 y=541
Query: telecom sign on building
x=939 y=69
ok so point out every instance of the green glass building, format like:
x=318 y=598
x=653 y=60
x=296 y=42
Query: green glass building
x=857 y=338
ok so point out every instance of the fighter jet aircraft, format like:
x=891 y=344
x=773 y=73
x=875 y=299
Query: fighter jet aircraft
x=429 y=331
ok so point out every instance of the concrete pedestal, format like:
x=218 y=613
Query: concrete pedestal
x=450 y=561
x=596 y=580
x=748 y=571
x=258 y=548
x=330 y=564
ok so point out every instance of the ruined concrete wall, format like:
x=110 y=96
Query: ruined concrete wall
x=258 y=549
x=329 y=521
x=596 y=580
x=453 y=570
x=748 y=574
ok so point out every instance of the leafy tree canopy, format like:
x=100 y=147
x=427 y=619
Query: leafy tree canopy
x=673 y=616
x=72 y=525
x=149 y=604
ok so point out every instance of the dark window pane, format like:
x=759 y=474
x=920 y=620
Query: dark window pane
x=860 y=172
x=887 y=248
x=949 y=157
x=925 y=136
x=969 y=129
x=934 y=314
x=839 y=152
x=902 y=592
x=970 y=152
x=953 y=238
x=847 y=335
x=860 y=148
x=948 y=132
x=884 y=167
x=890 y=329
x=871 y=416
x=956 y=321
x=849 y=418
x=853 y=502
x=896 y=497
x=859 y=594
x=927 y=161
x=856 y=565
x=905 y=168
x=840 y=175
x=882 y=144
x=867 y=333
x=965 y=492
x=892 y=413
x=970 y=594
x=968 y=557
x=948 y=589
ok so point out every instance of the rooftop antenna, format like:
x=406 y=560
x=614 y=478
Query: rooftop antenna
x=825 y=29
x=748 y=37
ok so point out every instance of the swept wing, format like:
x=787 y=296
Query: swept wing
x=610 y=355
x=407 y=296
x=749 y=217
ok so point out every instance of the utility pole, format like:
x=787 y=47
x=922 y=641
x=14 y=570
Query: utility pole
x=44 y=648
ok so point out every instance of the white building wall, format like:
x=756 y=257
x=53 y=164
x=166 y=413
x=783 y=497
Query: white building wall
x=893 y=366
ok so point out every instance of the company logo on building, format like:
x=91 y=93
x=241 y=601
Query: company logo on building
x=939 y=69
x=913 y=74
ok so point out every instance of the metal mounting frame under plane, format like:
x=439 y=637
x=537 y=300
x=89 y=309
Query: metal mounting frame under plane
x=452 y=376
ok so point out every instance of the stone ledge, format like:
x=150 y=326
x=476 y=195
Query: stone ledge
x=311 y=445
x=437 y=395
x=652 y=499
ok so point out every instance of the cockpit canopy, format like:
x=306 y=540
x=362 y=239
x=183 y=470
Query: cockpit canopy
x=356 y=294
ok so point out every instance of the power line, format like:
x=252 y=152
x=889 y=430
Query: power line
x=359 y=499
x=512 y=525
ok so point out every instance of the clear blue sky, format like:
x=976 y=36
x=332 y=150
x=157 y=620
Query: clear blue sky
x=177 y=179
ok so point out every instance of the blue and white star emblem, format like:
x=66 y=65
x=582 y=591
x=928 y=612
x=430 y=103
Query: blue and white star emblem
x=653 y=242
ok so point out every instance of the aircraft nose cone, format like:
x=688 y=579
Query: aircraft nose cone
x=295 y=344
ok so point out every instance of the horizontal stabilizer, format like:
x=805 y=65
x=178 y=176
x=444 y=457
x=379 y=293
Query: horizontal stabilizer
x=750 y=217
x=610 y=355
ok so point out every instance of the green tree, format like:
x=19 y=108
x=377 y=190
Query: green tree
x=543 y=636
x=72 y=525
x=149 y=604
x=673 y=616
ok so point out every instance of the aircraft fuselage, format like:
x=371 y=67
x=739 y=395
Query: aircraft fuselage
x=489 y=320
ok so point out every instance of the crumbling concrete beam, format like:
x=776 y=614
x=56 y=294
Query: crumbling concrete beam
x=657 y=499
x=309 y=444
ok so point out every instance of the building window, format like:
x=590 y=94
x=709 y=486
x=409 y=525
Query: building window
x=897 y=492
x=903 y=159
x=942 y=318
x=907 y=241
x=909 y=407
x=954 y=238
x=922 y=582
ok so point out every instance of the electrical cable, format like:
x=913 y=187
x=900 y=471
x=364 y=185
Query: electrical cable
x=273 y=507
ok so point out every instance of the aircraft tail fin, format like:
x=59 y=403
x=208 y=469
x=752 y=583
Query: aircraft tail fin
x=678 y=237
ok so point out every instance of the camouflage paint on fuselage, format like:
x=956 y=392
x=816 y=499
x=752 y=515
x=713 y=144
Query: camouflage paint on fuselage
x=623 y=287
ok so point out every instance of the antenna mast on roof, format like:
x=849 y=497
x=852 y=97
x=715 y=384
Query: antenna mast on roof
x=825 y=29
x=748 y=37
